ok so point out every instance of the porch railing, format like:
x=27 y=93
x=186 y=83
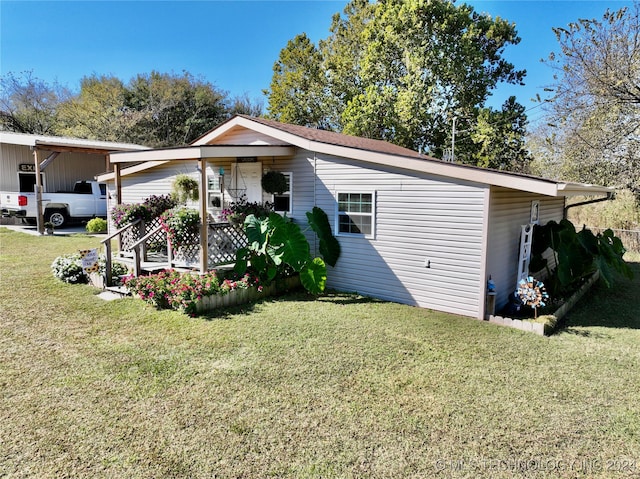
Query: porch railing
x=138 y=239
x=224 y=240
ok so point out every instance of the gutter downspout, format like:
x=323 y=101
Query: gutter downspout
x=610 y=196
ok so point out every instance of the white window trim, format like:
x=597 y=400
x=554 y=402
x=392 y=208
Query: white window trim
x=289 y=192
x=214 y=193
x=373 y=213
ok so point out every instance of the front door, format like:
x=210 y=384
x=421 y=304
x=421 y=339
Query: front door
x=248 y=181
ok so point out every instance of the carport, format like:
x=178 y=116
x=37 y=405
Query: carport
x=24 y=159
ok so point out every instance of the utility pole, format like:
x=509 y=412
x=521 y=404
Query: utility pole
x=453 y=140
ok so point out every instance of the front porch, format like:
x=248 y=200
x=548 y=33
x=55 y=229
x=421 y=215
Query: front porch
x=145 y=248
x=224 y=173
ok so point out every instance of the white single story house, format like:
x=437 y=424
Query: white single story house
x=412 y=229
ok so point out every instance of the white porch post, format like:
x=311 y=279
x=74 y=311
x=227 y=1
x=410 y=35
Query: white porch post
x=117 y=180
x=204 y=227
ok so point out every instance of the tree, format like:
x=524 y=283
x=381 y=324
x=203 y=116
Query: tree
x=500 y=137
x=243 y=105
x=98 y=112
x=298 y=85
x=156 y=109
x=29 y=104
x=595 y=109
x=173 y=109
x=400 y=71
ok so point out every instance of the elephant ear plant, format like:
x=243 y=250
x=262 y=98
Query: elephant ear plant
x=276 y=245
x=577 y=255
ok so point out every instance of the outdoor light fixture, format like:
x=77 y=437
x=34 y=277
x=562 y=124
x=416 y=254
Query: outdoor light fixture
x=221 y=171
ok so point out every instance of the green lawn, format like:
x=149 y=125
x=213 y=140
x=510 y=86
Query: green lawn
x=338 y=387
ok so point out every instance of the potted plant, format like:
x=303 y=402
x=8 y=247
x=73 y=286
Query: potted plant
x=185 y=188
x=48 y=228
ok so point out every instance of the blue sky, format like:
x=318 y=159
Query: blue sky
x=232 y=44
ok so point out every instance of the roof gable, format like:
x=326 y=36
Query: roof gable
x=240 y=135
x=302 y=136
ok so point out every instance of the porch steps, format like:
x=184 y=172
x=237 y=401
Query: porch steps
x=114 y=292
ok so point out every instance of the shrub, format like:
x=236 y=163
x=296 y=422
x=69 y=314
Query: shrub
x=97 y=225
x=124 y=214
x=239 y=210
x=577 y=255
x=276 y=242
x=68 y=268
x=150 y=208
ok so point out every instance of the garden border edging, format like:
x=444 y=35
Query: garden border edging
x=552 y=320
x=243 y=296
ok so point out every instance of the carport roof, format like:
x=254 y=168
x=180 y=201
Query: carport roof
x=59 y=143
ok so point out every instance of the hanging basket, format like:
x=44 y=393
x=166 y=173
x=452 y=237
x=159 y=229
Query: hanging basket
x=274 y=182
x=185 y=188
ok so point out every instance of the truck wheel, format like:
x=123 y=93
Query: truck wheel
x=56 y=217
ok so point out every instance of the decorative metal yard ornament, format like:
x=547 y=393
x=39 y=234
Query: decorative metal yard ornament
x=532 y=293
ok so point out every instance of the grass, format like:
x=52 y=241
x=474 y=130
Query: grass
x=294 y=387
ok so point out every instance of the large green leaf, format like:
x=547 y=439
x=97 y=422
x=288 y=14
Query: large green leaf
x=242 y=258
x=588 y=241
x=329 y=246
x=288 y=240
x=313 y=276
x=257 y=232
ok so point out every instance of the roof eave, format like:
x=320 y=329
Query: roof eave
x=200 y=152
x=581 y=189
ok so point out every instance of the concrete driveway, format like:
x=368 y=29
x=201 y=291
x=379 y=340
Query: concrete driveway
x=65 y=230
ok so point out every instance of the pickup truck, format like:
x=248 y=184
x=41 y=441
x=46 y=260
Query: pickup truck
x=87 y=200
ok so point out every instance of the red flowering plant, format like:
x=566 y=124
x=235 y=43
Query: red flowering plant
x=171 y=289
x=182 y=225
x=124 y=214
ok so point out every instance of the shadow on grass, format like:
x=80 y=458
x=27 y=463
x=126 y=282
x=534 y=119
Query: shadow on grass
x=615 y=307
x=299 y=295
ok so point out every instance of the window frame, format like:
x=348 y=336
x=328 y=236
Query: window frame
x=288 y=193
x=214 y=192
x=371 y=214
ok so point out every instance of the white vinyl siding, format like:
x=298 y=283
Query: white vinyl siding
x=420 y=221
x=300 y=168
x=509 y=210
x=244 y=136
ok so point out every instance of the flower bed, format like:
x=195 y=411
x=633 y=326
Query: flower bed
x=194 y=293
x=546 y=325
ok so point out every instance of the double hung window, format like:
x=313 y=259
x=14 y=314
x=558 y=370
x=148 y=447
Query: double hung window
x=282 y=201
x=356 y=214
